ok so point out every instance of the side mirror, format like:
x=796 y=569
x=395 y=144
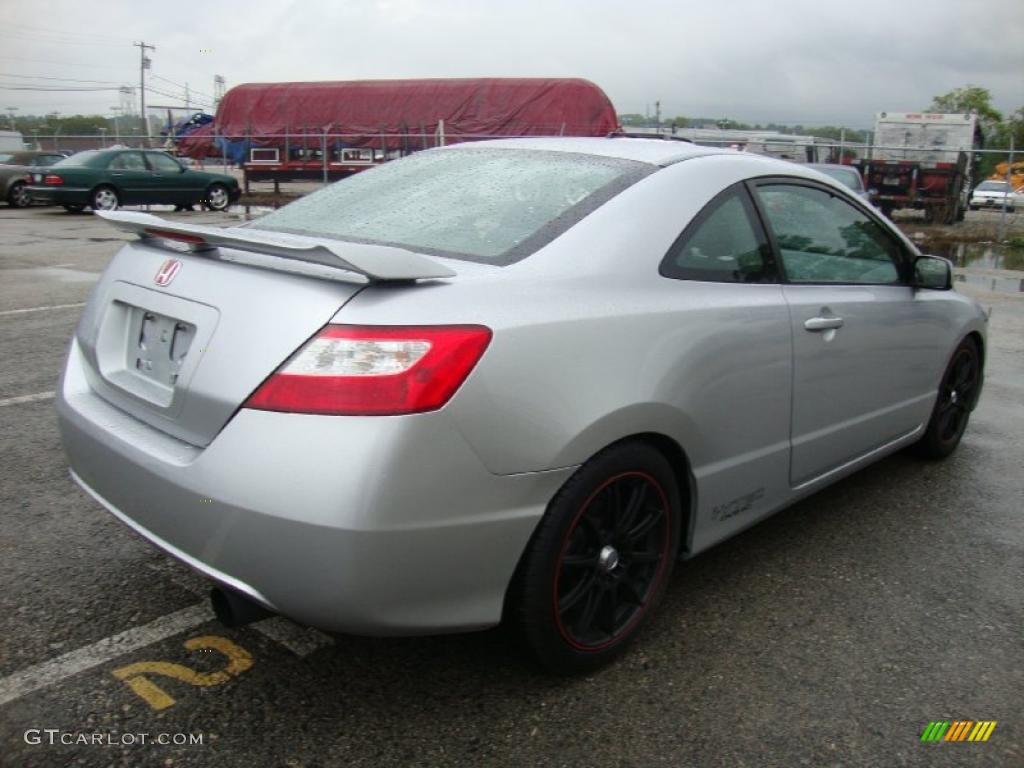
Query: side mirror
x=183 y=168
x=933 y=273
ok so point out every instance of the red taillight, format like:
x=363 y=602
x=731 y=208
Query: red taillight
x=355 y=370
x=52 y=178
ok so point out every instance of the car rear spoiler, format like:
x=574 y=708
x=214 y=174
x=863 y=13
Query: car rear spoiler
x=376 y=262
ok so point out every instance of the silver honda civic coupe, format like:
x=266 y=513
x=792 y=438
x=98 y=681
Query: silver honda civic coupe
x=510 y=380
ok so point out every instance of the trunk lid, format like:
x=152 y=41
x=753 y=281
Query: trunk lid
x=180 y=339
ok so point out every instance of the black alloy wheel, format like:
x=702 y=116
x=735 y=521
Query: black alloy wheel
x=599 y=559
x=611 y=560
x=957 y=397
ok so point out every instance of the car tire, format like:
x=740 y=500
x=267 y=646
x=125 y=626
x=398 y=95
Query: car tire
x=104 y=198
x=74 y=208
x=958 y=394
x=217 y=198
x=19 y=195
x=599 y=560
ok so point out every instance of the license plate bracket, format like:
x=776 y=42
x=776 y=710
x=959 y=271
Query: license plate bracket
x=158 y=345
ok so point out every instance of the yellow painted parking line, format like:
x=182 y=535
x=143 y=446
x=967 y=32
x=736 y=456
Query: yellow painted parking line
x=136 y=676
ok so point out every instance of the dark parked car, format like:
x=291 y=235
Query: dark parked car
x=844 y=174
x=13 y=168
x=108 y=179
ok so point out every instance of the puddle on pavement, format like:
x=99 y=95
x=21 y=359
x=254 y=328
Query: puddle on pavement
x=980 y=255
x=990 y=283
x=976 y=260
x=255 y=211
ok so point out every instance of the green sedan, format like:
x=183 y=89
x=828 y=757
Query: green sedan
x=107 y=179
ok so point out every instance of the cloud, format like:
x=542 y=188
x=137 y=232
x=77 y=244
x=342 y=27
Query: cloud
x=797 y=61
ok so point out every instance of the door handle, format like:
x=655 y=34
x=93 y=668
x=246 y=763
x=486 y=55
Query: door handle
x=823 y=323
x=117 y=173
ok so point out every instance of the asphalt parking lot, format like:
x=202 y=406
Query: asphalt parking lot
x=831 y=634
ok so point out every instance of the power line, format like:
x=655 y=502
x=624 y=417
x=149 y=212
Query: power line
x=52 y=31
x=53 y=41
x=199 y=102
x=54 y=88
x=179 y=85
x=63 y=79
x=55 y=62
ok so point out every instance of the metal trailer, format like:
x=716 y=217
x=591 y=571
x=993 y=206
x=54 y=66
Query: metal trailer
x=923 y=161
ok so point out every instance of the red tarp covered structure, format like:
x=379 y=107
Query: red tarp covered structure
x=372 y=113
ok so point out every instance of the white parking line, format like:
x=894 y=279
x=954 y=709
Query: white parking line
x=26 y=398
x=301 y=641
x=40 y=309
x=54 y=671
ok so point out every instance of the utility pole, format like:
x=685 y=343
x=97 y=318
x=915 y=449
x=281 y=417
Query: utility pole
x=187 y=107
x=117 y=128
x=12 y=110
x=143 y=66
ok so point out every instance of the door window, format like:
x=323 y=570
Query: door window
x=128 y=161
x=824 y=239
x=721 y=245
x=163 y=163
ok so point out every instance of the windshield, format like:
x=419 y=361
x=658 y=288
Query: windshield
x=489 y=205
x=993 y=186
x=79 y=158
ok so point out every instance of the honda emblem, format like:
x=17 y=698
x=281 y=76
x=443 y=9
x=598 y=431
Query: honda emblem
x=167 y=272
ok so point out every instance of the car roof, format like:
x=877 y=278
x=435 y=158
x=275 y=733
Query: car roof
x=654 y=151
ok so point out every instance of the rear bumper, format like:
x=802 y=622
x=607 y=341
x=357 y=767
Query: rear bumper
x=381 y=526
x=59 y=195
x=990 y=202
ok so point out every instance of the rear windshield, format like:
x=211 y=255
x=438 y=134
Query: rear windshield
x=79 y=158
x=489 y=205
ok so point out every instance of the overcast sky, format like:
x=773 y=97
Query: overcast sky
x=793 y=61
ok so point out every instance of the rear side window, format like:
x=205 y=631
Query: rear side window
x=490 y=205
x=723 y=244
x=824 y=239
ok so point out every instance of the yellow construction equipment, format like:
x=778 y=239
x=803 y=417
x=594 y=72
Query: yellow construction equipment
x=1016 y=174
